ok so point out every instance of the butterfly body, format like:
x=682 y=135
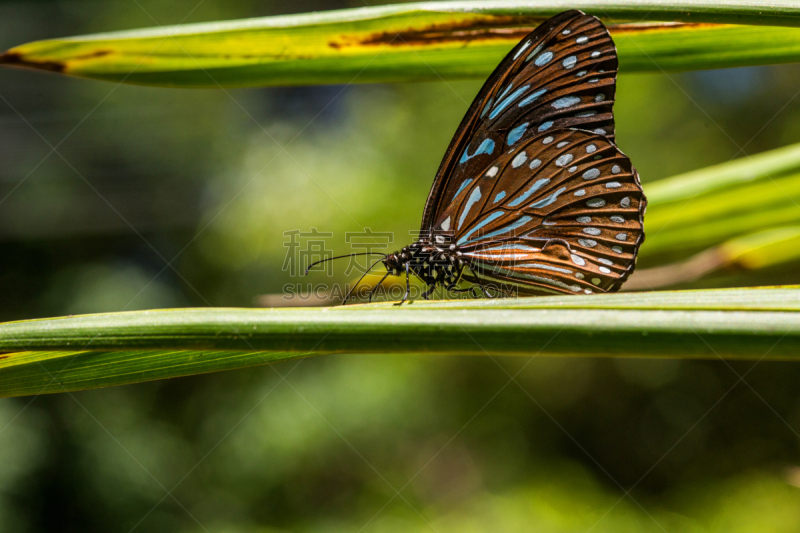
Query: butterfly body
x=435 y=264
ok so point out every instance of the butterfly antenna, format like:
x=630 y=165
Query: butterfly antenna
x=359 y=281
x=312 y=265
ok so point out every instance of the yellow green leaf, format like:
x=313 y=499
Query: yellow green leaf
x=413 y=42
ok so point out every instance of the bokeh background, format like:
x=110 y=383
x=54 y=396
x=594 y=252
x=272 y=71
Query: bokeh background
x=170 y=198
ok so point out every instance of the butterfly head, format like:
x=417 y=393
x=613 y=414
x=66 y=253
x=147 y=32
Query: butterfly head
x=395 y=263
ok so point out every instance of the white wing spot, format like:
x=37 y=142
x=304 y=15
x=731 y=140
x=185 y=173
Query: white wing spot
x=569 y=62
x=596 y=202
x=534 y=52
x=578 y=260
x=592 y=231
x=618 y=220
x=580 y=192
x=543 y=59
x=535 y=163
x=591 y=174
x=492 y=172
x=596 y=54
x=562 y=144
x=547 y=140
x=580 y=74
x=625 y=202
x=605 y=261
x=584 y=220
x=600 y=97
x=567 y=101
x=589 y=243
x=582 y=39
x=615 y=169
x=622 y=236
x=613 y=185
x=519 y=160
x=594 y=80
x=446 y=224
x=605 y=270
x=573 y=169
x=591 y=148
x=566 y=32
x=600 y=131
x=564 y=160
x=617 y=249
x=524 y=47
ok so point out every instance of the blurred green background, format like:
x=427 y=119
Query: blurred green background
x=170 y=198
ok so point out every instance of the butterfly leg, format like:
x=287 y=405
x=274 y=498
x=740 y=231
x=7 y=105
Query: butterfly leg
x=480 y=284
x=408 y=288
x=378 y=286
x=429 y=292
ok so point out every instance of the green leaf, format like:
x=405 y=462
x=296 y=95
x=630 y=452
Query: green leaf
x=74 y=353
x=708 y=207
x=413 y=42
x=763 y=249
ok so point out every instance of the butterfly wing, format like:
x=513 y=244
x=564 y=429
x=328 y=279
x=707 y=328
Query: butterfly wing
x=562 y=75
x=560 y=213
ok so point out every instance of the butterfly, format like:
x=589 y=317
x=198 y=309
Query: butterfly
x=533 y=197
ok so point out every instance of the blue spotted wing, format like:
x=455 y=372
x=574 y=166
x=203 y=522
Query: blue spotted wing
x=562 y=75
x=532 y=187
x=562 y=212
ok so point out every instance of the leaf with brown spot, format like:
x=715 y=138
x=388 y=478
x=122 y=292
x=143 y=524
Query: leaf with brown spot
x=415 y=42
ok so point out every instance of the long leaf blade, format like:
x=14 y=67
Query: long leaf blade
x=413 y=42
x=118 y=348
